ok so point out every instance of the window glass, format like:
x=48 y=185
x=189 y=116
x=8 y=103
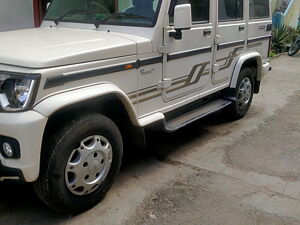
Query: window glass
x=200 y=10
x=230 y=10
x=116 y=12
x=259 y=9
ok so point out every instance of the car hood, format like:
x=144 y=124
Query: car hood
x=50 y=47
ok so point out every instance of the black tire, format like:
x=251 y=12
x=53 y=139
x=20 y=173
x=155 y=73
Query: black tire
x=294 y=48
x=51 y=186
x=235 y=111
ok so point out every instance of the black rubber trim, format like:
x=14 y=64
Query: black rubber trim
x=150 y=61
x=230 y=44
x=11 y=172
x=62 y=79
x=188 y=53
x=259 y=39
x=257 y=87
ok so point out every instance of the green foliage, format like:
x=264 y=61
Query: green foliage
x=282 y=36
x=272 y=54
x=294 y=33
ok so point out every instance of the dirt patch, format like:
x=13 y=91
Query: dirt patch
x=201 y=200
x=273 y=148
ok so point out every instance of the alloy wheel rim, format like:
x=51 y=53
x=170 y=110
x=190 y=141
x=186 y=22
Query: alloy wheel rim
x=88 y=165
x=244 y=93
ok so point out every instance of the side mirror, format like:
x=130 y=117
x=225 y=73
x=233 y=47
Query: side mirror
x=182 y=20
x=48 y=5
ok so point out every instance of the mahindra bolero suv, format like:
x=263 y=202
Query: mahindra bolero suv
x=98 y=73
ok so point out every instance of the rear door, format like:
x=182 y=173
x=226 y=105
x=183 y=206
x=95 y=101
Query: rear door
x=260 y=26
x=230 y=39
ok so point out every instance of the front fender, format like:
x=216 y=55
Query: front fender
x=58 y=101
x=239 y=64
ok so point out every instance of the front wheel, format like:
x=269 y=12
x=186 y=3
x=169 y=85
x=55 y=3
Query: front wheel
x=294 y=48
x=79 y=164
x=243 y=95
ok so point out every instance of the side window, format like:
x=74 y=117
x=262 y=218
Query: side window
x=259 y=9
x=200 y=10
x=230 y=10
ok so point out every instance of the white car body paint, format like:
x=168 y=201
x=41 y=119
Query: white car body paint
x=77 y=62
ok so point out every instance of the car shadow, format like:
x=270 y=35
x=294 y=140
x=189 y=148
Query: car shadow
x=20 y=205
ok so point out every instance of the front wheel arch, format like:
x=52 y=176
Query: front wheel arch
x=109 y=105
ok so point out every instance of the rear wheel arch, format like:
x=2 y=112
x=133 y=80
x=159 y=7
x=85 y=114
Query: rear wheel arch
x=250 y=60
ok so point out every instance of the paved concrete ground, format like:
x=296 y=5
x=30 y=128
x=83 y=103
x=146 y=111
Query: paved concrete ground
x=213 y=172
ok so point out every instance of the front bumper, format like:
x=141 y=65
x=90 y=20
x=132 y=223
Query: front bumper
x=11 y=174
x=27 y=128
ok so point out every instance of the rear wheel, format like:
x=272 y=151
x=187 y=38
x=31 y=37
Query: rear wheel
x=79 y=164
x=243 y=94
x=294 y=48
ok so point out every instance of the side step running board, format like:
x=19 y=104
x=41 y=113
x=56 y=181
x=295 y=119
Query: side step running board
x=196 y=114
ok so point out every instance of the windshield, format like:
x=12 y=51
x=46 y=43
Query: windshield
x=115 y=12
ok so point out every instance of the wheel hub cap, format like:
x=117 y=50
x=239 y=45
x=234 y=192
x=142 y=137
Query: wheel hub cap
x=244 y=93
x=88 y=165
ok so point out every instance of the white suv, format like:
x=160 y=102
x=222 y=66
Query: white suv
x=98 y=73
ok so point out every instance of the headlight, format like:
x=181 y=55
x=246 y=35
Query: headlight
x=16 y=91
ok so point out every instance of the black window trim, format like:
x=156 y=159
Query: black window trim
x=231 y=20
x=200 y=22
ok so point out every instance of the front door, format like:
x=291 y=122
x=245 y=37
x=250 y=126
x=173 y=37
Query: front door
x=230 y=39
x=187 y=70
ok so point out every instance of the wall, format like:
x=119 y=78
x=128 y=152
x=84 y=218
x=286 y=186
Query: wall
x=292 y=13
x=274 y=5
x=16 y=14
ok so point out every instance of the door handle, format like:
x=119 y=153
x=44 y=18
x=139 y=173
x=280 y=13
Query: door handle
x=262 y=27
x=206 y=33
x=241 y=28
x=269 y=27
